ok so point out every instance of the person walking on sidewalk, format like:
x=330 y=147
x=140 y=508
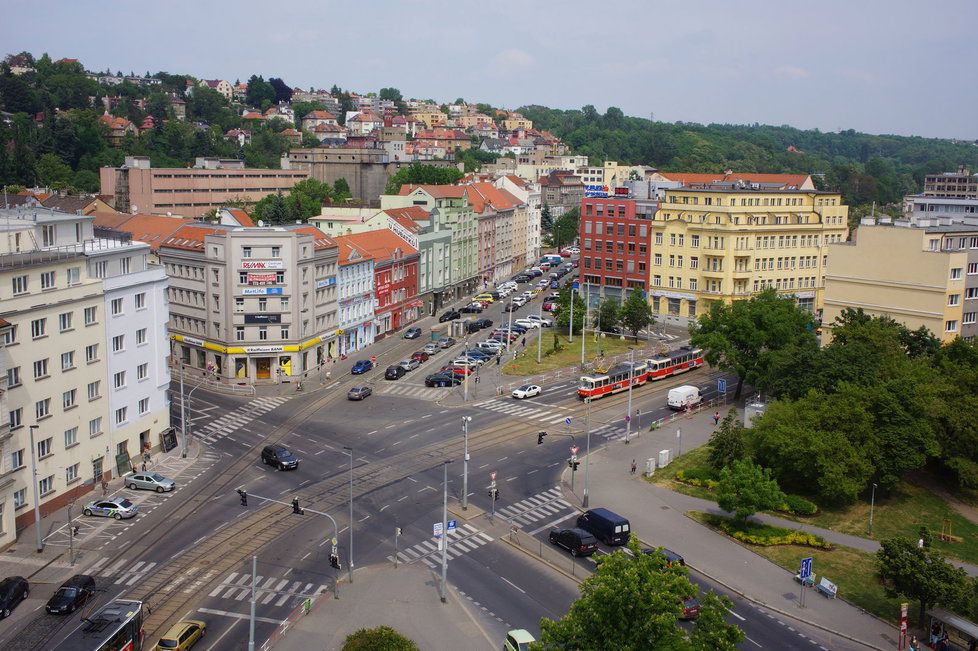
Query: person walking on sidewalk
x=634 y=467
x=716 y=418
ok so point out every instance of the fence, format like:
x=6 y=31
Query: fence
x=298 y=613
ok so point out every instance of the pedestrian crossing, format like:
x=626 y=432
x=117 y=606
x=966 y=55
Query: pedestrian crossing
x=523 y=410
x=464 y=539
x=230 y=422
x=548 y=505
x=413 y=391
x=269 y=590
x=122 y=572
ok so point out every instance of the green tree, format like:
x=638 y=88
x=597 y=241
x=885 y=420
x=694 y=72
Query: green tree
x=419 y=174
x=746 y=488
x=741 y=337
x=258 y=91
x=729 y=442
x=86 y=181
x=282 y=92
x=609 y=313
x=52 y=171
x=565 y=229
x=636 y=313
x=922 y=574
x=341 y=190
x=379 y=638
x=546 y=219
x=563 y=321
x=634 y=602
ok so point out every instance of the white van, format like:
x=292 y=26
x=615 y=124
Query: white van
x=684 y=396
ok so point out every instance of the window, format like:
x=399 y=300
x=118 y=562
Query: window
x=91 y=353
x=126 y=265
x=239 y=305
x=285 y=304
x=118 y=343
x=47 y=235
x=40 y=369
x=119 y=380
x=657 y=259
x=120 y=415
x=144 y=406
x=116 y=306
x=95 y=427
x=971 y=293
x=93 y=390
x=972 y=268
x=968 y=318
x=20 y=498
x=74 y=276
x=38 y=328
x=71 y=437
x=956 y=273
x=13 y=377
x=44 y=448
x=90 y=316
x=101 y=268
x=46 y=485
x=19 y=284
x=64 y=321
x=141 y=301
x=276 y=252
x=245 y=251
x=263 y=334
x=262 y=304
x=71 y=473
x=285 y=332
x=16 y=417
x=951 y=326
x=42 y=408
x=141 y=336
x=68 y=398
x=17 y=459
x=68 y=360
x=47 y=280
x=239 y=333
x=954 y=299
x=658 y=238
x=142 y=371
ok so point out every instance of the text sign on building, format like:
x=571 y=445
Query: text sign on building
x=261 y=291
x=326 y=282
x=262 y=319
x=262 y=279
x=262 y=264
x=193 y=342
x=595 y=191
x=263 y=349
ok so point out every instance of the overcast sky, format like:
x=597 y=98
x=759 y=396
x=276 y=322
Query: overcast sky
x=894 y=66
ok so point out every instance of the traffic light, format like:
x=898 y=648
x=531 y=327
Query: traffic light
x=540 y=436
x=573 y=464
x=494 y=494
x=334 y=561
x=244 y=497
x=295 y=506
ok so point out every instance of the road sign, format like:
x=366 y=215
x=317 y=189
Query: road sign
x=575 y=285
x=492 y=475
x=452 y=525
x=437 y=530
x=721 y=385
x=373 y=359
x=628 y=419
x=806 y=568
x=567 y=421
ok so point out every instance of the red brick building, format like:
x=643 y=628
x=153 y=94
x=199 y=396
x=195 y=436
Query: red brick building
x=615 y=238
x=395 y=279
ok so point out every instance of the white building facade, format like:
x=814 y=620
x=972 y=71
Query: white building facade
x=355 y=283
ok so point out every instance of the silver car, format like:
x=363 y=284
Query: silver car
x=409 y=364
x=117 y=508
x=150 y=481
x=431 y=348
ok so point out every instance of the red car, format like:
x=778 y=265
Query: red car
x=549 y=306
x=565 y=253
x=421 y=356
x=691 y=608
x=458 y=370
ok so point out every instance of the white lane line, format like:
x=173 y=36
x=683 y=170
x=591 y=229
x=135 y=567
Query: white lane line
x=762 y=647
x=413 y=479
x=513 y=584
x=373 y=432
x=551 y=524
x=381 y=510
x=736 y=615
x=224 y=613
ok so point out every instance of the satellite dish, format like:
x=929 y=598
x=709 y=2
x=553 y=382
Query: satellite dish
x=261 y=223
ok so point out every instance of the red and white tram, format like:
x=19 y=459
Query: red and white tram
x=617 y=378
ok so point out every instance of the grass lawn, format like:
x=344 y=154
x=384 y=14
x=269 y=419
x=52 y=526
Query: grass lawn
x=695 y=458
x=852 y=570
x=570 y=355
x=902 y=514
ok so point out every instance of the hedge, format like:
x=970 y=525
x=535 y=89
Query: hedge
x=798 y=505
x=684 y=477
x=790 y=538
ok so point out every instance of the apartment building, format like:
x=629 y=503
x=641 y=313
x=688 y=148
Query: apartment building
x=396 y=302
x=961 y=184
x=501 y=219
x=433 y=240
x=917 y=275
x=255 y=305
x=190 y=192
x=355 y=285
x=926 y=210
x=83 y=349
x=528 y=194
x=711 y=244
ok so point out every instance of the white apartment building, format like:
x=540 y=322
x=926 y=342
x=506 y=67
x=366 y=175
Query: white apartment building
x=355 y=282
x=70 y=323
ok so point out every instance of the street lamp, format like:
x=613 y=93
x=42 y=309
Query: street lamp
x=349 y=451
x=184 y=399
x=37 y=503
x=631 y=381
x=444 y=532
x=872 y=506
x=465 y=462
x=587 y=462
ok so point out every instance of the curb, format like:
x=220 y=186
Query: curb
x=527 y=552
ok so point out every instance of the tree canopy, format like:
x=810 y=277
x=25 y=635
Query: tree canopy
x=636 y=313
x=563 y=321
x=420 y=174
x=379 y=638
x=746 y=488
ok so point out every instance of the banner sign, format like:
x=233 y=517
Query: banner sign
x=262 y=264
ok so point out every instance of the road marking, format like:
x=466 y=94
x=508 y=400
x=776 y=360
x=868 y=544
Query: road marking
x=412 y=436
x=366 y=517
x=402 y=498
x=373 y=432
x=224 y=613
x=396 y=443
x=532 y=471
x=413 y=479
x=759 y=644
x=511 y=478
x=391 y=425
x=426 y=416
x=551 y=524
x=485 y=465
x=513 y=584
x=736 y=615
x=384 y=507
x=320 y=452
x=426 y=488
x=501 y=460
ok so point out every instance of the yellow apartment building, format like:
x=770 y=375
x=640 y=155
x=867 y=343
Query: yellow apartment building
x=718 y=244
x=919 y=276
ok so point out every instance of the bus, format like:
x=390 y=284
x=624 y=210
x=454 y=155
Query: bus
x=116 y=626
x=659 y=367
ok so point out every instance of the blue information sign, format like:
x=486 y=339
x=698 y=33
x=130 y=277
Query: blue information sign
x=567 y=421
x=575 y=285
x=806 y=568
x=721 y=385
x=453 y=524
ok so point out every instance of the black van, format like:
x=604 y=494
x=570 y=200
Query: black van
x=607 y=526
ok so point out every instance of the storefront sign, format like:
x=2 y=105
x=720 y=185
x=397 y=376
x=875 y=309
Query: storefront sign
x=262 y=264
x=326 y=282
x=262 y=319
x=263 y=349
x=261 y=291
x=262 y=279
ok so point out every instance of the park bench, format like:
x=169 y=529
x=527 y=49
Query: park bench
x=827 y=588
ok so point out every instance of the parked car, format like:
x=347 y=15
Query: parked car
x=421 y=356
x=431 y=348
x=478 y=354
x=554 y=284
x=518 y=639
x=395 y=372
x=151 y=481
x=359 y=392
x=484 y=323
x=542 y=320
x=458 y=370
x=521 y=278
x=526 y=323
x=441 y=379
x=72 y=594
x=484 y=298
x=472 y=326
x=182 y=636
x=472 y=308
x=607 y=526
x=361 y=367
x=450 y=315
x=13 y=590
x=118 y=508
x=412 y=333
x=577 y=541
x=511 y=307
x=691 y=608
x=519 y=301
x=467 y=361
x=526 y=391
x=548 y=306
x=280 y=457
x=447 y=342
x=489 y=346
x=409 y=364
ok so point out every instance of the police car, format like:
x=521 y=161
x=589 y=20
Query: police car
x=120 y=509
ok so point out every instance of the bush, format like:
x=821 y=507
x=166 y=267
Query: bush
x=798 y=505
x=696 y=477
x=790 y=538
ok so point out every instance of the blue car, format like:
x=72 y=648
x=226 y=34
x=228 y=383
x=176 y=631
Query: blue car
x=361 y=367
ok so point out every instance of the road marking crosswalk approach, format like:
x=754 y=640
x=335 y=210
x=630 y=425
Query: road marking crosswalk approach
x=413 y=391
x=233 y=421
x=269 y=590
x=546 y=505
x=460 y=541
x=516 y=409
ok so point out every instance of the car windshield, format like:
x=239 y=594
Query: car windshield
x=525 y=387
x=68 y=592
x=167 y=644
x=126 y=504
x=158 y=477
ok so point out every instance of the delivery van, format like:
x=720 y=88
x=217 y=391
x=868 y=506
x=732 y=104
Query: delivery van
x=682 y=397
x=552 y=260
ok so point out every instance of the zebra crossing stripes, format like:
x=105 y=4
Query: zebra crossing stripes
x=545 y=505
x=232 y=421
x=123 y=573
x=460 y=541
x=269 y=590
x=412 y=391
x=516 y=409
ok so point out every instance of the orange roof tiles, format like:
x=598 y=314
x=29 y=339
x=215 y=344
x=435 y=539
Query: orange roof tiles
x=190 y=237
x=347 y=248
x=111 y=219
x=152 y=229
x=319 y=115
x=242 y=217
x=692 y=178
x=486 y=194
x=382 y=245
x=436 y=191
x=320 y=239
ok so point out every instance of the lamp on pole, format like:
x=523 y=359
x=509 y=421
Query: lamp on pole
x=539 y=334
x=37 y=502
x=444 y=532
x=587 y=306
x=587 y=462
x=570 y=328
x=872 y=506
x=185 y=426
x=465 y=462
x=349 y=451
x=631 y=381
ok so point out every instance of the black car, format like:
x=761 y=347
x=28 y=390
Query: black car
x=442 y=380
x=13 y=590
x=510 y=307
x=394 y=373
x=412 y=333
x=472 y=308
x=521 y=278
x=577 y=541
x=484 y=323
x=280 y=457
x=450 y=315
x=71 y=595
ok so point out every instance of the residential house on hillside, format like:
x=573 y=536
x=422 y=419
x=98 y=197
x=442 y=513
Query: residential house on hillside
x=395 y=279
x=118 y=128
x=240 y=136
x=221 y=86
x=314 y=118
x=449 y=139
x=364 y=123
x=561 y=191
x=515 y=121
x=330 y=134
x=409 y=123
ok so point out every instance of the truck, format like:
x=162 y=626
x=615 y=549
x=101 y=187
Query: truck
x=553 y=260
x=680 y=398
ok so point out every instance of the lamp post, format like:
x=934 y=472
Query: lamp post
x=539 y=334
x=570 y=328
x=184 y=399
x=465 y=462
x=631 y=381
x=444 y=532
x=37 y=503
x=350 y=452
x=587 y=462
x=872 y=506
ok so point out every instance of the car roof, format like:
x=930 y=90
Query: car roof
x=175 y=630
x=78 y=581
x=521 y=635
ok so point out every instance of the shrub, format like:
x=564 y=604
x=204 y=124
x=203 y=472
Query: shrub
x=798 y=505
x=684 y=477
x=790 y=538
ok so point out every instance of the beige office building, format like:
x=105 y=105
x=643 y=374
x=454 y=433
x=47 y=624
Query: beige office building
x=920 y=276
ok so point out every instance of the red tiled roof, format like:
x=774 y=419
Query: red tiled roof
x=114 y=122
x=252 y=115
x=322 y=241
x=4 y=323
x=486 y=194
x=191 y=237
x=347 y=248
x=411 y=213
x=289 y=132
x=111 y=219
x=319 y=115
x=381 y=244
x=691 y=178
x=436 y=191
x=517 y=181
x=242 y=217
x=152 y=229
x=327 y=127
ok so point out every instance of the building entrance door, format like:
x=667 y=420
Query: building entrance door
x=263 y=368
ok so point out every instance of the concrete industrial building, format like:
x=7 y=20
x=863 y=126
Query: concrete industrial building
x=253 y=305
x=917 y=275
x=84 y=351
x=961 y=184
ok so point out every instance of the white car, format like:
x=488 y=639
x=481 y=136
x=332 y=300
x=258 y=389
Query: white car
x=494 y=346
x=573 y=250
x=542 y=320
x=519 y=300
x=526 y=391
x=529 y=294
x=466 y=361
x=527 y=323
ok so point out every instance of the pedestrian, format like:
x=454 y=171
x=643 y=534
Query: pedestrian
x=498 y=357
x=716 y=418
x=634 y=467
x=144 y=465
x=973 y=646
x=914 y=645
x=524 y=342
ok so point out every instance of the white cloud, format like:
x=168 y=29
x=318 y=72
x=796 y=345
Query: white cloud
x=511 y=62
x=791 y=72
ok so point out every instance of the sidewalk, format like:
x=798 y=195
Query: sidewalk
x=405 y=598
x=657 y=517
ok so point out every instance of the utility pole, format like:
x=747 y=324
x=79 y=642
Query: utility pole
x=587 y=306
x=570 y=328
x=37 y=502
x=539 y=334
x=350 y=450
x=444 y=532
x=71 y=534
x=510 y=330
x=872 y=506
x=183 y=413
x=631 y=381
x=251 y=623
x=465 y=462
x=465 y=376
x=587 y=462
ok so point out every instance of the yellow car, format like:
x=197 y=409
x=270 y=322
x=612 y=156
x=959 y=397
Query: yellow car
x=484 y=297
x=182 y=636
